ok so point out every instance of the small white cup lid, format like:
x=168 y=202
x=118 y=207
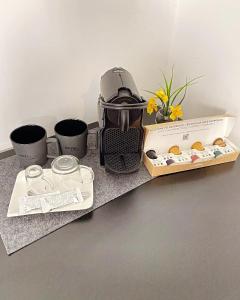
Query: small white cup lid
x=65 y=164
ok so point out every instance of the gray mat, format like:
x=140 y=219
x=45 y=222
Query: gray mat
x=19 y=232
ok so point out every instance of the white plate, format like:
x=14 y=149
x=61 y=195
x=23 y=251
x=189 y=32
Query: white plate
x=20 y=190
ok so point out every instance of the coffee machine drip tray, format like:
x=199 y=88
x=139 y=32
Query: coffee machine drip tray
x=122 y=163
x=121 y=149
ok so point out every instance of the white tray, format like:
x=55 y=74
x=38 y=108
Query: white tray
x=20 y=190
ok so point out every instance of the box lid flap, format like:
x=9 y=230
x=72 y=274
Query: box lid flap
x=161 y=137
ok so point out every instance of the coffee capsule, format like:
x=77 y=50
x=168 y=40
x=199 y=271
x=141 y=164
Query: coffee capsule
x=220 y=142
x=175 y=150
x=198 y=146
x=170 y=161
x=194 y=158
x=217 y=153
x=151 y=154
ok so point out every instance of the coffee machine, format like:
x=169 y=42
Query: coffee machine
x=120 y=118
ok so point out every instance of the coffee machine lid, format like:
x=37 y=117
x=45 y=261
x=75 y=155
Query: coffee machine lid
x=117 y=80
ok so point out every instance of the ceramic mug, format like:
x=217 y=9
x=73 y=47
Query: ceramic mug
x=72 y=136
x=30 y=145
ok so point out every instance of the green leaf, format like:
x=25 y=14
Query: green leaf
x=180 y=89
x=184 y=95
x=166 y=84
x=169 y=91
x=170 y=84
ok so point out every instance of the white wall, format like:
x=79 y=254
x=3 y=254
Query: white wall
x=52 y=54
x=206 y=41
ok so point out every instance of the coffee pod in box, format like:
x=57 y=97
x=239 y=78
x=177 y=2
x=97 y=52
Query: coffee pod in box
x=194 y=158
x=151 y=154
x=170 y=161
x=198 y=146
x=220 y=142
x=175 y=150
x=217 y=153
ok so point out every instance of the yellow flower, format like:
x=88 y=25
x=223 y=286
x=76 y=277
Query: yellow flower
x=161 y=94
x=152 y=106
x=176 y=112
x=165 y=98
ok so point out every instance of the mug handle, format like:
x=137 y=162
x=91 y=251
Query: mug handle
x=93 y=145
x=51 y=140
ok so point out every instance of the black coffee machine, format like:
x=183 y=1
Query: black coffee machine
x=120 y=119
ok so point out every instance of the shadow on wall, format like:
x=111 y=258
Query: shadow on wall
x=90 y=100
x=197 y=109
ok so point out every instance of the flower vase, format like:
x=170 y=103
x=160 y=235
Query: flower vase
x=161 y=118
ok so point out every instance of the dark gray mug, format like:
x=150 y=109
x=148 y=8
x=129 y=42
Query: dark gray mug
x=30 y=144
x=72 y=137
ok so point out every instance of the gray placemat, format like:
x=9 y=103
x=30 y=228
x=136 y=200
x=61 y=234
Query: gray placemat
x=18 y=232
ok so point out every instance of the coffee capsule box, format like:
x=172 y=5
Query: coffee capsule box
x=195 y=141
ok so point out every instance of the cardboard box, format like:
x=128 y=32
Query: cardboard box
x=160 y=137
